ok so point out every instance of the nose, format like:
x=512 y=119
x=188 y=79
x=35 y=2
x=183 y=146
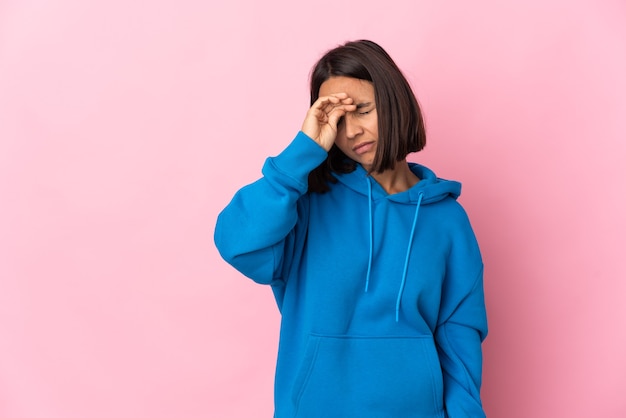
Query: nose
x=353 y=126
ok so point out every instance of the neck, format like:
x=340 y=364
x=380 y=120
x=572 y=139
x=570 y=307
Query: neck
x=397 y=180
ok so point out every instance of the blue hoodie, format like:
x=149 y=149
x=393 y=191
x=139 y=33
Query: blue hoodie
x=381 y=296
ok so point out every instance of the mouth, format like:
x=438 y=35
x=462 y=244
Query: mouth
x=363 y=147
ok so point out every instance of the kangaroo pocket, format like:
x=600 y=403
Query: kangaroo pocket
x=345 y=376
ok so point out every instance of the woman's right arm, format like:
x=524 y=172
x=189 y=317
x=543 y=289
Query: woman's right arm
x=252 y=231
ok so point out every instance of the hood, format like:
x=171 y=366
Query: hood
x=430 y=189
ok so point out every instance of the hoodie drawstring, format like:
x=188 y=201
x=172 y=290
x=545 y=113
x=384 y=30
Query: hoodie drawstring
x=371 y=255
x=408 y=253
x=408 y=249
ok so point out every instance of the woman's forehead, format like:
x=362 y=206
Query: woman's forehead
x=359 y=90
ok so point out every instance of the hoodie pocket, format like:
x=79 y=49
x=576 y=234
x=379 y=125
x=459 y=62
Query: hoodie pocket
x=369 y=376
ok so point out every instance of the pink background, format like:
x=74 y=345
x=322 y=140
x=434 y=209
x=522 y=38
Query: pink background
x=125 y=127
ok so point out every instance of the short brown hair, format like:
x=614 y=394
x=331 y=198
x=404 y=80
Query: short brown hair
x=400 y=123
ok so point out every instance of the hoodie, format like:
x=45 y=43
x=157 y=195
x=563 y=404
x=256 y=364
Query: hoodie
x=381 y=296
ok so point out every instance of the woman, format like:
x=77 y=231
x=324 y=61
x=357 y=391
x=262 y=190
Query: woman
x=373 y=263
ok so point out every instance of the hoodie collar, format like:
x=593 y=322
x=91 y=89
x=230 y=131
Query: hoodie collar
x=429 y=189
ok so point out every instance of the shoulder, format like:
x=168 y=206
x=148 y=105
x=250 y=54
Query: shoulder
x=450 y=209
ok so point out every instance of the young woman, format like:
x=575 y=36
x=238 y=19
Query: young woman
x=372 y=261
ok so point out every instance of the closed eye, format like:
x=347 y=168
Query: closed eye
x=361 y=106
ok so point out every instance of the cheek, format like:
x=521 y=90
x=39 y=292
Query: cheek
x=372 y=126
x=341 y=134
x=341 y=141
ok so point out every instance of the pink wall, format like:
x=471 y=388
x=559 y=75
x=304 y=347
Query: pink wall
x=125 y=127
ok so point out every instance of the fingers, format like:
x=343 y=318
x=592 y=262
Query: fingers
x=321 y=121
x=333 y=98
x=338 y=112
x=327 y=104
x=331 y=108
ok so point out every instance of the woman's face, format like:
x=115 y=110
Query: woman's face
x=357 y=132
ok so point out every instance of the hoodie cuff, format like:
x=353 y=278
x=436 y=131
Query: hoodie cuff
x=300 y=157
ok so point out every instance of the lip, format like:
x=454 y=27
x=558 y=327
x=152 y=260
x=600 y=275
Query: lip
x=363 y=147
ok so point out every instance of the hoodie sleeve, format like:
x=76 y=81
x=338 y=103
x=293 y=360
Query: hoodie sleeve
x=461 y=329
x=252 y=231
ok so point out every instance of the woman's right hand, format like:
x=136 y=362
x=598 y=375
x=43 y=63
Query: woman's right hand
x=322 y=118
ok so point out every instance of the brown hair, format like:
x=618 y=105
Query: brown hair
x=400 y=123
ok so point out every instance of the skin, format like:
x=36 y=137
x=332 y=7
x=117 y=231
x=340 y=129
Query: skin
x=345 y=115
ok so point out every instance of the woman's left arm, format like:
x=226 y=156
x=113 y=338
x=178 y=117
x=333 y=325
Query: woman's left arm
x=461 y=329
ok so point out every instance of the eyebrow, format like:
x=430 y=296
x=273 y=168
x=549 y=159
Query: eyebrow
x=362 y=105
